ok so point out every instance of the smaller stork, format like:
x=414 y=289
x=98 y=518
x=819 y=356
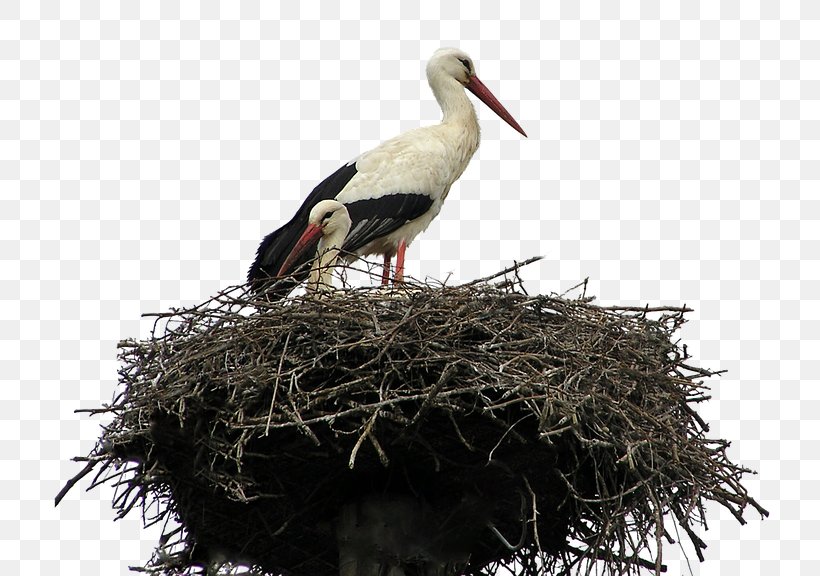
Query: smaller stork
x=327 y=228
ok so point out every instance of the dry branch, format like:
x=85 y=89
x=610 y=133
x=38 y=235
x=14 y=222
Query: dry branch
x=251 y=423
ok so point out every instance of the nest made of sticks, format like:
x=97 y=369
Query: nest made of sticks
x=573 y=425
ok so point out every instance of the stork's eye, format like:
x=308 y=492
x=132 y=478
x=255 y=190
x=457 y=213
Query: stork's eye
x=466 y=64
x=327 y=216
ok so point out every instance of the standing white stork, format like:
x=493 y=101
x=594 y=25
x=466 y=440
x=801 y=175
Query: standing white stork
x=394 y=191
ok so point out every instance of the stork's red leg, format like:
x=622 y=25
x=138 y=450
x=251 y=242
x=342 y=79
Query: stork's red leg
x=386 y=270
x=400 y=262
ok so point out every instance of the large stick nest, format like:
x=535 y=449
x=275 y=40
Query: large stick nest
x=573 y=425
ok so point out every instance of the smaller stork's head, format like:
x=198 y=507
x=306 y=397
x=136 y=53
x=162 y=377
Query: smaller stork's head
x=449 y=64
x=327 y=227
x=330 y=216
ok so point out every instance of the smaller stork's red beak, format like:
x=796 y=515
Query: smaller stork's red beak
x=308 y=241
x=483 y=93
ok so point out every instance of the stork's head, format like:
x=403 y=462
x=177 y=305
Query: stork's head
x=454 y=64
x=328 y=221
x=329 y=216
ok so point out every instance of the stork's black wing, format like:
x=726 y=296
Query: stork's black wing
x=377 y=217
x=276 y=246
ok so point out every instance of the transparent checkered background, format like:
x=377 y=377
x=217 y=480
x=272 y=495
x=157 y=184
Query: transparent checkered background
x=146 y=147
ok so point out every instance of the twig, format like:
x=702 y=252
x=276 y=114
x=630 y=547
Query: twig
x=583 y=416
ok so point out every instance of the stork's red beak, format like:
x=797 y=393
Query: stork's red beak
x=308 y=241
x=483 y=93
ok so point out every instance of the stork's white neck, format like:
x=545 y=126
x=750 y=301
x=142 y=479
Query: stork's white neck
x=459 y=122
x=321 y=273
x=452 y=98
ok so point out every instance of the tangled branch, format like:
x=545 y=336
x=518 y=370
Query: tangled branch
x=573 y=425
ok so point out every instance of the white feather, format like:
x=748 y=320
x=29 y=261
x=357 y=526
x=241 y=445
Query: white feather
x=422 y=161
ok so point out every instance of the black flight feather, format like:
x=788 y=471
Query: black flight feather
x=377 y=217
x=276 y=246
x=370 y=218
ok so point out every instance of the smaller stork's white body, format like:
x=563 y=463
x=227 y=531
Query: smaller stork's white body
x=394 y=191
x=328 y=221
